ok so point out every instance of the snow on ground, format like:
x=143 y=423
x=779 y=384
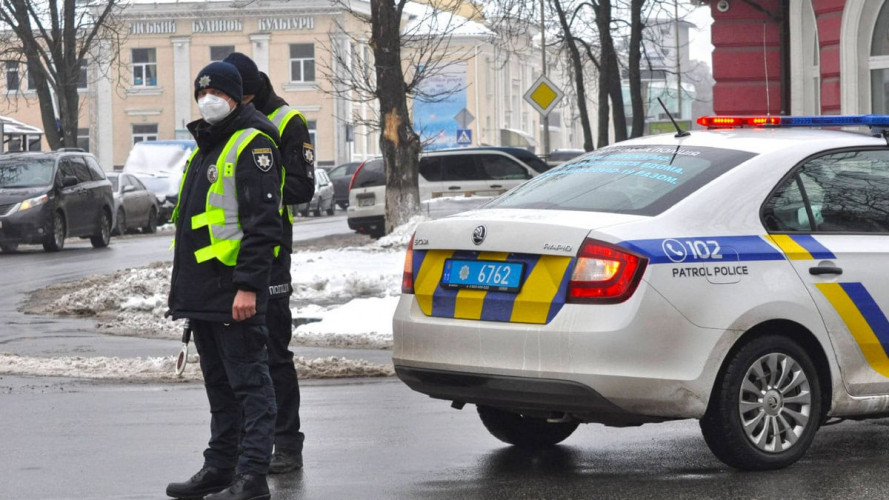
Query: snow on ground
x=352 y=290
x=162 y=369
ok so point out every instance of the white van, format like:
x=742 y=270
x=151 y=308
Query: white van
x=453 y=172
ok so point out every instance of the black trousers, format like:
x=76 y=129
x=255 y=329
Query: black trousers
x=234 y=362
x=279 y=320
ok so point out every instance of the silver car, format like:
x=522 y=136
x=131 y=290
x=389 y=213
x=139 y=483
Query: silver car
x=135 y=207
x=323 y=198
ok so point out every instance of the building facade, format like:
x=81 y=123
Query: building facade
x=149 y=95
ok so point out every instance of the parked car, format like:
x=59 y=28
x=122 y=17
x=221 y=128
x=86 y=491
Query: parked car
x=323 y=198
x=465 y=171
x=135 y=207
x=560 y=156
x=46 y=197
x=159 y=165
x=341 y=176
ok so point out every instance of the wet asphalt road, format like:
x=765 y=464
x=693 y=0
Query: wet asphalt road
x=376 y=439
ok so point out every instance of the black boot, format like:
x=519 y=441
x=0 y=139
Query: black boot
x=207 y=480
x=285 y=461
x=245 y=487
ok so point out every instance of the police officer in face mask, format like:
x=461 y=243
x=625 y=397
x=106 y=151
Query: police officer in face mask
x=298 y=156
x=228 y=229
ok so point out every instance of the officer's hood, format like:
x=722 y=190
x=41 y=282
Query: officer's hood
x=266 y=100
x=243 y=116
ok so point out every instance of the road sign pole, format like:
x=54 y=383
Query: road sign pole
x=545 y=117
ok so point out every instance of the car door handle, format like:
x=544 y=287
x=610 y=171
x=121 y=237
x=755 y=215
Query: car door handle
x=454 y=188
x=496 y=186
x=819 y=270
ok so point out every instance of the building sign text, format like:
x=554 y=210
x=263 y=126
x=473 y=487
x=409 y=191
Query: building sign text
x=287 y=24
x=153 y=28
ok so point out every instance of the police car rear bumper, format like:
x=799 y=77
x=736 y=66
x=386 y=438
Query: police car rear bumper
x=639 y=358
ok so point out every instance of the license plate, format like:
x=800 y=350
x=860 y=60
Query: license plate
x=366 y=202
x=489 y=275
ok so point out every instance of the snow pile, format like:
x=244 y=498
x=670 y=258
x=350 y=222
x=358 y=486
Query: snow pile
x=362 y=323
x=162 y=369
x=337 y=276
x=401 y=235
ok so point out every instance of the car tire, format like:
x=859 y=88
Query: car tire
x=103 y=237
x=522 y=431
x=151 y=226
x=55 y=237
x=304 y=213
x=331 y=208
x=765 y=407
x=121 y=227
x=317 y=211
x=9 y=247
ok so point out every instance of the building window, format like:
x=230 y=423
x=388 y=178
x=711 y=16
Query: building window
x=302 y=62
x=312 y=125
x=144 y=68
x=83 y=139
x=220 y=52
x=83 y=75
x=13 y=80
x=144 y=133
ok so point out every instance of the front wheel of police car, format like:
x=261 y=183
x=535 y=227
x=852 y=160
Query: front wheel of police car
x=766 y=406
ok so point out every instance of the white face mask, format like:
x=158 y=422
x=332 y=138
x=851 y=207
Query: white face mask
x=213 y=108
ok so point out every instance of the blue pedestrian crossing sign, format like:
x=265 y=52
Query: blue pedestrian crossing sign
x=464 y=136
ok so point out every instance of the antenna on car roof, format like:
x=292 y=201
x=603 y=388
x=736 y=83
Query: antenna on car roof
x=679 y=131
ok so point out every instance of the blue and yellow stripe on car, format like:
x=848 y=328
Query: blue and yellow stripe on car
x=544 y=286
x=801 y=247
x=864 y=319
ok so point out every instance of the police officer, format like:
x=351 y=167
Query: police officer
x=228 y=225
x=298 y=156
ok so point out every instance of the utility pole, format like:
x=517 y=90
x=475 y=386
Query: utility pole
x=678 y=59
x=545 y=118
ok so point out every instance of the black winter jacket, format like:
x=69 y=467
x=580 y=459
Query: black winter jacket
x=299 y=180
x=206 y=290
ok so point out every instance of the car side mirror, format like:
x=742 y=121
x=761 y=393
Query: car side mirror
x=528 y=176
x=69 y=180
x=129 y=189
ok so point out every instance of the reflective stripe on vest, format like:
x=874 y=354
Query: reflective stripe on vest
x=280 y=118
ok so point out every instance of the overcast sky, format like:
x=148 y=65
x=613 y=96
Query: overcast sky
x=699 y=39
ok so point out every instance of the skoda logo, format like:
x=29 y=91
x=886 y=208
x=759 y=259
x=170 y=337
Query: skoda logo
x=478 y=235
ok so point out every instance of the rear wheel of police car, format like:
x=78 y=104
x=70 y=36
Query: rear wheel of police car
x=55 y=237
x=523 y=431
x=103 y=237
x=765 y=407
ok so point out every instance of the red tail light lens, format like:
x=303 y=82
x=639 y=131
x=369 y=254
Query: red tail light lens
x=604 y=274
x=355 y=175
x=407 y=279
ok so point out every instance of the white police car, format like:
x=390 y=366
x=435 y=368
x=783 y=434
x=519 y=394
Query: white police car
x=739 y=276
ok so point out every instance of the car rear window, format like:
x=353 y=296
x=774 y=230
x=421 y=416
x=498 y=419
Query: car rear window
x=370 y=175
x=29 y=172
x=643 y=180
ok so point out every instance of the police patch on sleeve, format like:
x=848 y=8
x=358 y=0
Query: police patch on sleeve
x=263 y=158
x=309 y=153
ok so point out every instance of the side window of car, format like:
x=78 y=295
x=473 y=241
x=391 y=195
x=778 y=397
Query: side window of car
x=136 y=182
x=847 y=192
x=430 y=168
x=786 y=210
x=501 y=167
x=95 y=170
x=124 y=181
x=459 y=167
x=66 y=169
x=81 y=171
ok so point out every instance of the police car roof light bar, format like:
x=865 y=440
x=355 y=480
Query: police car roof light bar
x=794 y=121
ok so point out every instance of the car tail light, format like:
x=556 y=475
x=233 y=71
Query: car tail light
x=604 y=274
x=407 y=279
x=355 y=175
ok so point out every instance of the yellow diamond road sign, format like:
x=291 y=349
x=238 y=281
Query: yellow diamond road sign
x=544 y=96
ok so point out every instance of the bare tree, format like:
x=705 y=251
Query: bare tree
x=56 y=39
x=571 y=43
x=408 y=50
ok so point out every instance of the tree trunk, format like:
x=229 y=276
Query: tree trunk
x=635 y=68
x=399 y=143
x=604 y=108
x=577 y=67
x=610 y=70
x=47 y=116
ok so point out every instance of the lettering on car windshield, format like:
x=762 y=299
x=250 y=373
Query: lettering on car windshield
x=657 y=167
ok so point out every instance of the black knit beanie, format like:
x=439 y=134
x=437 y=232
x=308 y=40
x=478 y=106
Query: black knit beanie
x=248 y=70
x=221 y=76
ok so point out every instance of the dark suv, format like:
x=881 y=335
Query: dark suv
x=46 y=197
